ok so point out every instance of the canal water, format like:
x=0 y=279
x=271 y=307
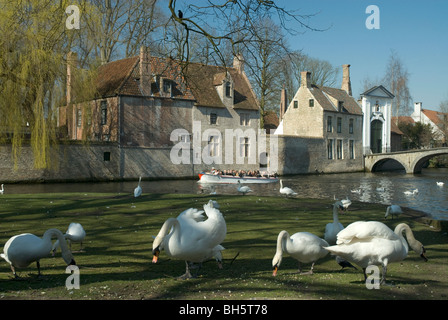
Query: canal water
x=383 y=187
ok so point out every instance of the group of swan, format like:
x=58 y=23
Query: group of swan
x=363 y=243
x=368 y=243
x=23 y=249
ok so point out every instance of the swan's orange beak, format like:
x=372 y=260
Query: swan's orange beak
x=155 y=255
x=274 y=273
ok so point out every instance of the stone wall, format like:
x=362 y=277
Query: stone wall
x=298 y=155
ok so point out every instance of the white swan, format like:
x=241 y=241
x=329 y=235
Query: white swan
x=243 y=189
x=2 y=190
x=439 y=183
x=305 y=247
x=333 y=228
x=373 y=243
x=23 y=249
x=286 y=190
x=393 y=210
x=138 y=189
x=346 y=203
x=191 y=238
x=409 y=193
x=74 y=233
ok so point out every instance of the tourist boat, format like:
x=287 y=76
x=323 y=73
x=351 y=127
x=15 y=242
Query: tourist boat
x=206 y=177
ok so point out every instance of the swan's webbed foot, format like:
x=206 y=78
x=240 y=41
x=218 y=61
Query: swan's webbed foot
x=187 y=274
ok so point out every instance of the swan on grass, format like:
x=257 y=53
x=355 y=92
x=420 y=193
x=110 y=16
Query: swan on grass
x=393 y=210
x=191 y=238
x=333 y=228
x=305 y=247
x=366 y=243
x=138 y=189
x=2 y=190
x=286 y=190
x=243 y=189
x=74 y=233
x=23 y=249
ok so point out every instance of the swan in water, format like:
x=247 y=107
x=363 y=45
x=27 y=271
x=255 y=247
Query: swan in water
x=439 y=183
x=345 y=202
x=243 y=189
x=2 y=190
x=333 y=228
x=191 y=238
x=305 y=247
x=286 y=190
x=23 y=249
x=409 y=193
x=138 y=189
x=74 y=233
x=393 y=210
x=373 y=243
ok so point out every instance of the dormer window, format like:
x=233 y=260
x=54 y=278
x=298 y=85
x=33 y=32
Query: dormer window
x=167 y=86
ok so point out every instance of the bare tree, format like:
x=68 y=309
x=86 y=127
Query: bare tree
x=396 y=78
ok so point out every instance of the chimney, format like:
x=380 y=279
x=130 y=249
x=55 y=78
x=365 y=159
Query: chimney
x=418 y=109
x=283 y=103
x=346 y=84
x=145 y=71
x=238 y=62
x=72 y=64
x=305 y=79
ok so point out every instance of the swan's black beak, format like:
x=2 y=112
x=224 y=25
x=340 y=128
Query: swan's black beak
x=423 y=254
x=155 y=255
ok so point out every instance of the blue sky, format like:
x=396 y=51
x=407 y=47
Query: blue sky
x=417 y=31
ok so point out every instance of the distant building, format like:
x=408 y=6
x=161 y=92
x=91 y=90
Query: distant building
x=437 y=120
x=325 y=125
x=377 y=109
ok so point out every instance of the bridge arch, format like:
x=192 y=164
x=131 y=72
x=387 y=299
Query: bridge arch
x=412 y=161
x=390 y=163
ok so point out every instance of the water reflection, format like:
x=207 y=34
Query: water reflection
x=385 y=188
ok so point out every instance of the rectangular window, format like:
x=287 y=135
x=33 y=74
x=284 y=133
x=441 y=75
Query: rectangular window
x=213 y=142
x=330 y=149
x=244 y=119
x=167 y=86
x=339 y=125
x=311 y=103
x=103 y=112
x=352 y=148
x=329 y=125
x=106 y=156
x=79 y=118
x=296 y=104
x=350 y=126
x=341 y=107
x=339 y=149
x=228 y=89
x=244 y=147
x=213 y=118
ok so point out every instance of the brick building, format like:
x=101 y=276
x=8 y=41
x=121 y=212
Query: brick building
x=142 y=100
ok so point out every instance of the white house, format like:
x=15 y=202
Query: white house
x=376 y=106
x=434 y=118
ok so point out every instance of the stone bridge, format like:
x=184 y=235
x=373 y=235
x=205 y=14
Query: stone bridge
x=412 y=160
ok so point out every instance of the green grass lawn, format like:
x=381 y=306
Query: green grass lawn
x=116 y=262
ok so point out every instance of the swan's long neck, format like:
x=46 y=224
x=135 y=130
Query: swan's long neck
x=281 y=184
x=281 y=241
x=335 y=214
x=51 y=233
x=413 y=243
x=166 y=227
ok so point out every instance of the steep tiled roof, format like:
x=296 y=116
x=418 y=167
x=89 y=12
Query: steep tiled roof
x=435 y=116
x=322 y=93
x=196 y=82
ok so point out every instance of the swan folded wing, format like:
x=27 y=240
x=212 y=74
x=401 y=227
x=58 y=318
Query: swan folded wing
x=364 y=231
x=191 y=215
